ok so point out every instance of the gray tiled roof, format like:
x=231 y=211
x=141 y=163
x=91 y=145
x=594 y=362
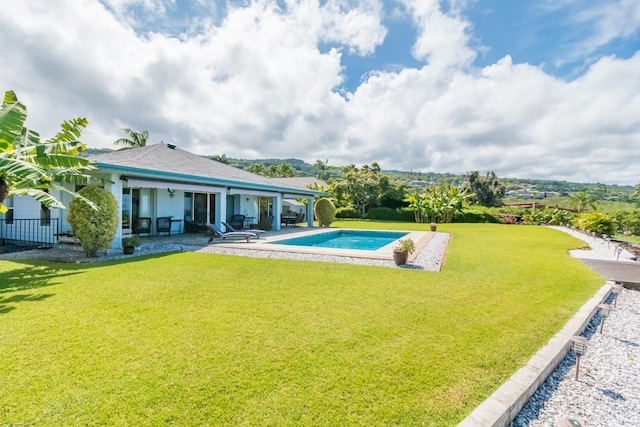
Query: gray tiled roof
x=301 y=181
x=165 y=161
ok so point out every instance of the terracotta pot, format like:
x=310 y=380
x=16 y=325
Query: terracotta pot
x=400 y=257
x=433 y=227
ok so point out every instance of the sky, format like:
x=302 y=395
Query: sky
x=546 y=89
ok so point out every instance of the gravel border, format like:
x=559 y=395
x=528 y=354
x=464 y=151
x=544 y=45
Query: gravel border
x=607 y=392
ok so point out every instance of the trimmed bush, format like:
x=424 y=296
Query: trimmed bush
x=347 y=212
x=476 y=216
x=384 y=214
x=96 y=229
x=325 y=212
x=406 y=215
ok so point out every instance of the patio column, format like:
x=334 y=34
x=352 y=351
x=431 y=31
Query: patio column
x=277 y=211
x=310 y=202
x=114 y=185
x=221 y=209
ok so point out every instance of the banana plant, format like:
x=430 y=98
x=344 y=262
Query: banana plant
x=29 y=166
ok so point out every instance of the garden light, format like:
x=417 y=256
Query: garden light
x=579 y=347
x=617 y=288
x=605 y=309
x=568 y=422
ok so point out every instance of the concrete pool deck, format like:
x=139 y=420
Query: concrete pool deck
x=430 y=259
x=270 y=243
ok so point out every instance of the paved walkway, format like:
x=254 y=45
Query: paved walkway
x=607 y=258
x=616 y=271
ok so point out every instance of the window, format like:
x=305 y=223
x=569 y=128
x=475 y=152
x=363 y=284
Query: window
x=188 y=206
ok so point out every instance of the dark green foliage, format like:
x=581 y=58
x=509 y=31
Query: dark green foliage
x=96 y=228
x=384 y=214
x=487 y=190
x=347 y=212
x=475 y=216
x=406 y=215
x=628 y=221
x=325 y=212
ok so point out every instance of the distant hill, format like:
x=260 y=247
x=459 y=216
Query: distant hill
x=563 y=188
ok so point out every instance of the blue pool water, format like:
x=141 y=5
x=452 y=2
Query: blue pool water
x=347 y=239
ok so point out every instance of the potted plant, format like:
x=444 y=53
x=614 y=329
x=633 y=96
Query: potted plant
x=402 y=250
x=433 y=226
x=129 y=244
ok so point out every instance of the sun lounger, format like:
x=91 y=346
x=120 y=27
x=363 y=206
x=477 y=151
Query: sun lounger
x=258 y=233
x=230 y=234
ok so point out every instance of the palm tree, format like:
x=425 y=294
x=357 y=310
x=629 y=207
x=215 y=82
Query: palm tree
x=221 y=158
x=581 y=201
x=636 y=193
x=322 y=167
x=134 y=140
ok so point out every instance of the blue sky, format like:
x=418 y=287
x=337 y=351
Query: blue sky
x=531 y=89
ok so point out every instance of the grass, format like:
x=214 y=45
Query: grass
x=203 y=339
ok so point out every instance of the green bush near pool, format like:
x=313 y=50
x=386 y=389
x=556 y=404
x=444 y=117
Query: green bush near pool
x=202 y=339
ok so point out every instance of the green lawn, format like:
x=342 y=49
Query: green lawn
x=203 y=339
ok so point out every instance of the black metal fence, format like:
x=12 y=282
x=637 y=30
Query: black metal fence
x=23 y=234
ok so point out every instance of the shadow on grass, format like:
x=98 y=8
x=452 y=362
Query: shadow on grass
x=27 y=278
x=18 y=285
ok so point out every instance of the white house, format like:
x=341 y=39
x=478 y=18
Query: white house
x=161 y=188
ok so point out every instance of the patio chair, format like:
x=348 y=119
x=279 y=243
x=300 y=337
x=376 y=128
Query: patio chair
x=163 y=225
x=257 y=232
x=142 y=226
x=230 y=234
x=237 y=221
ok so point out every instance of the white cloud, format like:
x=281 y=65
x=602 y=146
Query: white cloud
x=262 y=83
x=443 y=37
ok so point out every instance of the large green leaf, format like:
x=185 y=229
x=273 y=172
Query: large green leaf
x=12 y=117
x=30 y=166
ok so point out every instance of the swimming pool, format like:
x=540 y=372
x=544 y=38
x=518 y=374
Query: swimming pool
x=364 y=240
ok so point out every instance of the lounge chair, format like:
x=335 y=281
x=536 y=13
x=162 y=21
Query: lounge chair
x=258 y=233
x=230 y=234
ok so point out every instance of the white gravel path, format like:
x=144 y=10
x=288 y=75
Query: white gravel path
x=600 y=248
x=607 y=392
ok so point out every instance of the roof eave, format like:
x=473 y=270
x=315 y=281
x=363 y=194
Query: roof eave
x=107 y=167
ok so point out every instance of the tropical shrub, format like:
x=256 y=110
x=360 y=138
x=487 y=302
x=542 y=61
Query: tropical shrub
x=96 y=228
x=628 y=221
x=596 y=222
x=30 y=166
x=548 y=216
x=347 y=212
x=437 y=204
x=510 y=218
x=325 y=212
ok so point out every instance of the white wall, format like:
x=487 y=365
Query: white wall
x=249 y=206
